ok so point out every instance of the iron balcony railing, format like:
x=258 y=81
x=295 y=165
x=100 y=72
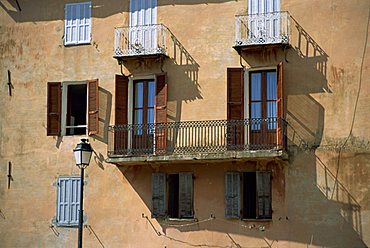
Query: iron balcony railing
x=189 y=137
x=141 y=40
x=260 y=29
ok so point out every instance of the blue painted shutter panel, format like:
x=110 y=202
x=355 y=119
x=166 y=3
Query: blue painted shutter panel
x=158 y=195
x=63 y=201
x=74 y=200
x=232 y=194
x=77 y=23
x=263 y=181
x=186 y=195
x=68 y=202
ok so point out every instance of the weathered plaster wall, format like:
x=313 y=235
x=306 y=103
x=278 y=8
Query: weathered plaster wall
x=320 y=196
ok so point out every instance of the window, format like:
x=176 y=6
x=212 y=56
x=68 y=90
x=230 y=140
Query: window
x=68 y=201
x=172 y=195
x=258 y=100
x=139 y=109
x=77 y=23
x=248 y=195
x=73 y=108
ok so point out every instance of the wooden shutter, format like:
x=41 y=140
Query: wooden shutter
x=186 y=195
x=121 y=113
x=161 y=113
x=263 y=181
x=63 y=207
x=280 y=106
x=235 y=107
x=75 y=186
x=93 y=120
x=158 y=195
x=77 y=27
x=232 y=194
x=54 y=108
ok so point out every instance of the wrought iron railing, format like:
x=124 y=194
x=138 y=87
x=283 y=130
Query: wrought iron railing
x=189 y=137
x=141 y=40
x=259 y=29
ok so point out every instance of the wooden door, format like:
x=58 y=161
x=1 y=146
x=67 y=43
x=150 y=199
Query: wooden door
x=263 y=109
x=144 y=110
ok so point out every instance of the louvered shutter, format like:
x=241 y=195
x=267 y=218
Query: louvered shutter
x=93 y=120
x=121 y=112
x=161 y=113
x=186 y=195
x=75 y=187
x=232 y=194
x=54 y=108
x=235 y=107
x=84 y=22
x=263 y=181
x=63 y=207
x=77 y=23
x=158 y=195
x=280 y=106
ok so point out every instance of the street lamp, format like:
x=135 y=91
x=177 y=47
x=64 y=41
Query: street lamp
x=82 y=154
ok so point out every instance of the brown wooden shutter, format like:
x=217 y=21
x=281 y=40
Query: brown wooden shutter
x=280 y=106
x=93 y=116
x=161 y=113
x=54 y=108
x=235 y=107
x=121 y=113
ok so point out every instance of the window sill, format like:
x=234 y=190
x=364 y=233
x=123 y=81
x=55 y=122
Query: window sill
x=257 y=220
x=77 y=44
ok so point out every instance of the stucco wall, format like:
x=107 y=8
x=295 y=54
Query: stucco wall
x=320 y=195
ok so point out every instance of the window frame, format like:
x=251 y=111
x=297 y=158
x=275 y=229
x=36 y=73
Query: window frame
x=166 y=196
x=64 y=102
x=74 y=7
x=69 y=180
x=241 y=195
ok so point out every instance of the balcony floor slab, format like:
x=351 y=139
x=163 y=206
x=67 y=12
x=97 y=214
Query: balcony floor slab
x=199 y=157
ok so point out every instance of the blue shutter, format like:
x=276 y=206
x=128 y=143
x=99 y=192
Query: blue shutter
x=74 y=200
x=77 y=23
x=232 y=194
x=186 y=195
x=63 y=207
x=68 y=201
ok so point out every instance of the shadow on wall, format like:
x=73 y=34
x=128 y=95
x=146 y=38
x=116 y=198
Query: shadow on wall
x=182 y=71
x=45 y=10
x=307 y=214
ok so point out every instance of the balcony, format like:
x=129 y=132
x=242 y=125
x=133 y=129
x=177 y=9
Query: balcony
x=256 y=30
x=140 y=41
x=197 y=140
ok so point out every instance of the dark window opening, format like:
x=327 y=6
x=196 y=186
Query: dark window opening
x=249 y=195
x=173 y=196
x=76 y=109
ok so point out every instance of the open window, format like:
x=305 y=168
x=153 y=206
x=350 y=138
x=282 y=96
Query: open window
x=248 y=195
x=141 y=115
x=255 y=109
x=172 y=195
x=73 y=108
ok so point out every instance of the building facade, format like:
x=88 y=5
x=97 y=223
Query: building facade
x=215 y=123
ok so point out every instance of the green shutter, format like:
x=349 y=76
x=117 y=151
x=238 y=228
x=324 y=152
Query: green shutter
x=158 y=195
x=186 y=195
x=232 y=194
x=263 y=180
